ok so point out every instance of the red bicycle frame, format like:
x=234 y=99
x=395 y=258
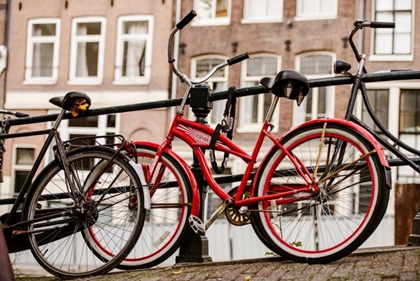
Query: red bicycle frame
x=198 y=137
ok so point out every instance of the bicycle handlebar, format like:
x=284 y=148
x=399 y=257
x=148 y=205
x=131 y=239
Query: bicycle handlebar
x=15 y=113
x=237 y=59
x=186 y=20
x=378 y=24
x=359 y=24
x=180 y=25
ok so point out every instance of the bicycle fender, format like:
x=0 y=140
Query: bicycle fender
x=195 y=208
x=355 y=127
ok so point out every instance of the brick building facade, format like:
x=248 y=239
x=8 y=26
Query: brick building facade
x=112 y=50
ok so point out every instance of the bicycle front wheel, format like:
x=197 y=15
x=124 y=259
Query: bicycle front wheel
x=88 y=230
x=336 y=220
x=170 y=195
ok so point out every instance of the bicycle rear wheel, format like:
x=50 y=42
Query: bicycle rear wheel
x=92 y=231
x=170 y=195
x=347 y=209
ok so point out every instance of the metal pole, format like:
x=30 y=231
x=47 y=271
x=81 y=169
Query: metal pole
x=194 y=247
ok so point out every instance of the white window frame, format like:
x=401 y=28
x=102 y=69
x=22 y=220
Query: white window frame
x=265 y=19
x=374 y=57
x=90 y=38
x=244 y=127
x=42 y=39
x=209 y=81
x=199 y=21
x=316 y=15
x=121 y=38
x=298 y=111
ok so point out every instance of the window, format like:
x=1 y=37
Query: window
x=42 y=51
x=253 y=109
x=134 y=50
x=24 y=158
x=87 y=51
x=263 y=11
x=379 y=101
x=410 y=111
x=409 y=129
x=319 y=102
x=212 y=12
x=218 y=82
x=88 y=127
x=316 y=9
x=388 y=41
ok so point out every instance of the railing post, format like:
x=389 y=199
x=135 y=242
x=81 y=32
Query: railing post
x=194 y=247
x=414 y=237
x=6 y=271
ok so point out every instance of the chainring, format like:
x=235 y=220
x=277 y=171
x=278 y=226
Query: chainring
x=234 y=214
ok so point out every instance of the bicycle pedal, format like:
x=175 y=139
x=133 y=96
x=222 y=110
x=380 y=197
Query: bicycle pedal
x=197 y=225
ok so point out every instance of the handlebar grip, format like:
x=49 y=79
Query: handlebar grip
x=21 y=114
x=186 y=20
x=378 y=24
x=238 y=58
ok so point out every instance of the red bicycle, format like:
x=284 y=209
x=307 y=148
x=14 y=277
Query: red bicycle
x=317 y=195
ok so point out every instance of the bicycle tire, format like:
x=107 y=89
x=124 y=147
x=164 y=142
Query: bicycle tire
x=94 y=239
x=165 y=225
x=337 y=220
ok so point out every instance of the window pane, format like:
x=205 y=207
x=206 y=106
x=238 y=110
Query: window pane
x=134 y=59
x=204 y=8
x=316 y=64
x=275 y=8
x=386 y=17
x=308 y=6
x=402 y=22
x=402 y=4
x=89 y=121
x=254 y=8
x=43 y=29
x=88 y=28
x=25 y=156
x=402 y=44
x=42 y=59
x=327 y=6
x=409 y=111
x=384 y=5
x=321 y=101
x=222 y=8
x=135 y=27
x=87 y=59
x=110 y=121
x=383 y=44
x=20 y=178
x=262 y=66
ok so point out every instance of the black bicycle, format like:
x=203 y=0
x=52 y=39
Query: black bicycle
x=82 y=214
x=388 y=141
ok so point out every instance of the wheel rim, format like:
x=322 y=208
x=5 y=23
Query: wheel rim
x=164 y=224
x=324 y=227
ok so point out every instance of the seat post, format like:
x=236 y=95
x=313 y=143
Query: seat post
x=272 y=108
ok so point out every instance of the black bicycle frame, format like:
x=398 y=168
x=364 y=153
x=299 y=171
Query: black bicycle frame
x=359 y=87
x=51 y=133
